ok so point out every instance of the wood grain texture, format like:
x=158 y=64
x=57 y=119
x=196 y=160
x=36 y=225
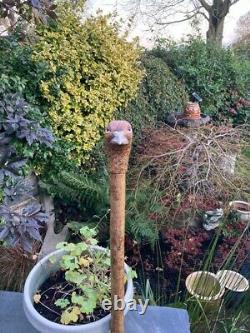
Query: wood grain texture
x=118 y=157
x=117 y=231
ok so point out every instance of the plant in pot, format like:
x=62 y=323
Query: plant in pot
x=65 y=291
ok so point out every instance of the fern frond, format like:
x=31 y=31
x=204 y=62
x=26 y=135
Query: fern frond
x=142 y=229
x=139 y=225
x=81 y=188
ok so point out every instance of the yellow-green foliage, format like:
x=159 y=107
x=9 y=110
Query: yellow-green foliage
x=92 y=71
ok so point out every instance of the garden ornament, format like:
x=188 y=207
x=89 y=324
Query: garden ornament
x=192 y=110
x=196 y=98
x=191 y=117
x=211 y=219
x=118 y=139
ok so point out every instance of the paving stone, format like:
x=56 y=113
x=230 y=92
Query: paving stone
x=155 y=320
x=158 y=320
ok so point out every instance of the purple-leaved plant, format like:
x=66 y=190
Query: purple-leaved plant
x=19 y=122
x=22 y=227
x=14 y=121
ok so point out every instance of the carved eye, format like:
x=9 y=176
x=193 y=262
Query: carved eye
x=108 y=130
x=130 y=129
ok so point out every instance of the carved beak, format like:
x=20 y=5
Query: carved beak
x=119 y=138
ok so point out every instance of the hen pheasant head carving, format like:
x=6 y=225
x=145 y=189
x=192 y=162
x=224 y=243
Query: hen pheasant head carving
x=118 y=139
x=119 y=132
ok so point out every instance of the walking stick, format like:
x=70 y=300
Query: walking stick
x=118 y=139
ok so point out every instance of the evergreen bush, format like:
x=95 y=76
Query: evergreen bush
x=212 y=72
x=160 y=93
x=90 y=72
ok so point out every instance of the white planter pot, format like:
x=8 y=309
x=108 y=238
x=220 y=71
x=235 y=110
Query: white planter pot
x=242 y=208
x=204 y=286
x=233 y=281
x=236 y=285
x=38 y=276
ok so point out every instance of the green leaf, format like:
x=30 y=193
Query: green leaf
x=69 y=262
x=107 y=261
x=93 y=241
x=87 y=304
x=79 y=249
x=131 y=274
x=75 y=226
x=76 y=299
x=88 y=232
x=75 y=277
x=61 y=245
x=88 y=307
x=74 y=249
x=62 y=303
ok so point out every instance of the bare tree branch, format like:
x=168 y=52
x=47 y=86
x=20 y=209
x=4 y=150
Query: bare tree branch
x=234 y=1
x=204 y=15
x=205 y=5
x=165 y=12
x=178 y=21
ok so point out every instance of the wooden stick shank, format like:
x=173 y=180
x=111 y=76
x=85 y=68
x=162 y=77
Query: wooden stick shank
x=117 y=230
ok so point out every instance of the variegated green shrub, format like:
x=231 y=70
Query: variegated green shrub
x=91 y=72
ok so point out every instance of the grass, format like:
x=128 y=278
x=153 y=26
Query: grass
x=246 y=152
x=15 y=267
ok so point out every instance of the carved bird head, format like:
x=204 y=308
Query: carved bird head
x=119 y=132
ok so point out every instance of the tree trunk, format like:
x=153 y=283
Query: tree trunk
x=215 y=29
x=216 y=15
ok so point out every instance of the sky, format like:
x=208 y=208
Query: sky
x=176 y=31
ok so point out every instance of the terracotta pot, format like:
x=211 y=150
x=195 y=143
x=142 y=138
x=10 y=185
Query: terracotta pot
x=192 y=111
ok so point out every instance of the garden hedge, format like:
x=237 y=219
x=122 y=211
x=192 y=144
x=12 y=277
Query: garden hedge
x=218 y=76
x=90 y=72
x=160 y=93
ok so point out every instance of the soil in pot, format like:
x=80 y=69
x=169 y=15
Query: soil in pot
x=241 y=206
x=54 y=288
